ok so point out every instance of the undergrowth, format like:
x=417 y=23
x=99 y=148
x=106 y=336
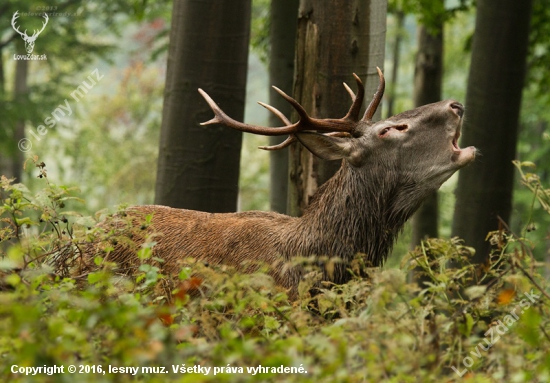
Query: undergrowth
x=452 y=321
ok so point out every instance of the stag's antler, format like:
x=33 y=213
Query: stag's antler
x=371 y=109
x=344 y=125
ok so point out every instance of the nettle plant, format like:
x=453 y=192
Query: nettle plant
x=41 y=231
x=34 y=227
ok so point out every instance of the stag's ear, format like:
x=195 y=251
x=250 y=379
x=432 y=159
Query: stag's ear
x=330 y=147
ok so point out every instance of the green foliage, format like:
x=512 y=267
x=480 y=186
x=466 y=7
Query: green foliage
x=539 y=47
x=532 y=203
x=259 y=29
x=533 y=183
x=129 y=118
x=78 y=32
x=534 y=137
x=531 y=216
x=430 y=13
x=382 y=328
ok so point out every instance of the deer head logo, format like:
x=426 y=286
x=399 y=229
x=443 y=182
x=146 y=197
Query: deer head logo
x=29 y=40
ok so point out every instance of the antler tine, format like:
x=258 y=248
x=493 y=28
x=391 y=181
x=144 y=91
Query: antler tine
x=304 y=117
x=291 y=138
x=350 y=92
x=371 y=109
x=276 y=112
x=222 y=118
x=353 y=113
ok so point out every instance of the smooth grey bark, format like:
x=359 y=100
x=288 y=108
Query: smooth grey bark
x=281 y=74
x=428 y=76
x=198 y=166
x=335 y=39
x=493 y=100
x=391 y=93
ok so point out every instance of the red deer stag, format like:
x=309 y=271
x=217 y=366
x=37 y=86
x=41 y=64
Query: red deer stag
x=388 y=168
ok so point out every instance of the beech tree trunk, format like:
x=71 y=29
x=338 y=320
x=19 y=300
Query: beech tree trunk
x=335 y=39
x=392 y=83
x=428 y=76
x=198 y=166
x=11 y=158
x=493 y=101
x=281 y=74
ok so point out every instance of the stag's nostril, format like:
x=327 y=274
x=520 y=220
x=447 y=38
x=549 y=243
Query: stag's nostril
x=457 y=108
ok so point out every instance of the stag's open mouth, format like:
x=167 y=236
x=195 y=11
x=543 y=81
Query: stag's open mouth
x=458 y=109
x=462 y=156
x=456 y=148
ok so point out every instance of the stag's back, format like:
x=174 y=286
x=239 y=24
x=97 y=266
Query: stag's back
x=244 y=240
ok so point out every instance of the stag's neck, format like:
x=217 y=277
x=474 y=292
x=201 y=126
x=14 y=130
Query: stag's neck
x=357 y=212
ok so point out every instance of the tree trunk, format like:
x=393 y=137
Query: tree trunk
x=428 y=76
x=3 y=148
x=2 y=75
x=281 y=74
x=198 y=166
x=11 y=160
x=392 y=83
x=493 y=100
x=335 y=39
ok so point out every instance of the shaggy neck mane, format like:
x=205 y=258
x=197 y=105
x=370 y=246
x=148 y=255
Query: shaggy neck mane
x=356 y=212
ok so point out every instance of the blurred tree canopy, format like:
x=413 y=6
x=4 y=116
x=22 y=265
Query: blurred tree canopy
x=80 y=36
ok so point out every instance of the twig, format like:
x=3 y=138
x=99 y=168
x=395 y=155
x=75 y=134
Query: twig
x=533 y=281
x=544 y=332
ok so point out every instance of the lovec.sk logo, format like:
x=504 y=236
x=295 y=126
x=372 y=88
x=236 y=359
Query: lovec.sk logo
x=29 y=40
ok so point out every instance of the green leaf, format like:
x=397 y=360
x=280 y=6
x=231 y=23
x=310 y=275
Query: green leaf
x=528 y=164
x=529 y=327
x=24 y=221
x=271 y=323
x=185 y=273
x=466 y=327
x=12 y=279
x=96 y=277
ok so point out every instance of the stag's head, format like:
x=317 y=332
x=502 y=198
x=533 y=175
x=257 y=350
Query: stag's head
x=420 y=146
x=29 y=40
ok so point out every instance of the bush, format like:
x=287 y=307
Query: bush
x=483 y=322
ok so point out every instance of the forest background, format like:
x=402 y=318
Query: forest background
x=105 y=150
